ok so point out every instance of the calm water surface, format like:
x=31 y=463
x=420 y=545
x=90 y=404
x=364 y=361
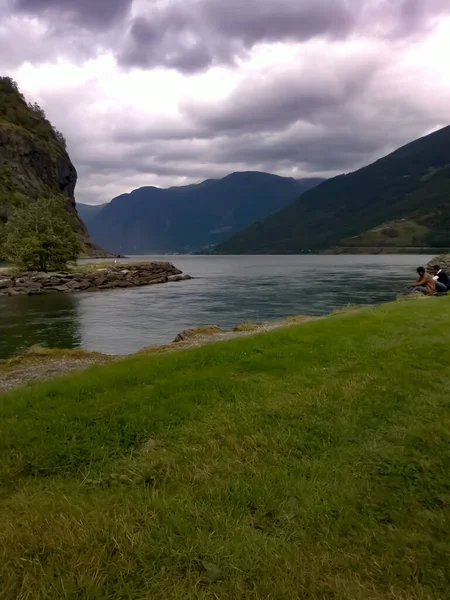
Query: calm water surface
x=225 y=291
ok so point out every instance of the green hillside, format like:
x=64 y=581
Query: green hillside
x=33 y=159
x=400 y=201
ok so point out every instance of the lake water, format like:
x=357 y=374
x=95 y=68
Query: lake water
x=226 y=291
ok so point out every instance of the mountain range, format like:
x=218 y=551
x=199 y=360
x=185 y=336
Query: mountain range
x=400 y=203
x=189 y=218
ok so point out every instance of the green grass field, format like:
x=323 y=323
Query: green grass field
x=311 y=462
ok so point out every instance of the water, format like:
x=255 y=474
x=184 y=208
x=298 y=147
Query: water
x=227 y=290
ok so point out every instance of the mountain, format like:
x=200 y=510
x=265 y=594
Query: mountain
x=33 y=159
x=193 y=217
x=88 y=212
x=399 y=203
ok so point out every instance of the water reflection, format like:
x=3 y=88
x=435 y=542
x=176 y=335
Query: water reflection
x=226 y=291
x=51 y=320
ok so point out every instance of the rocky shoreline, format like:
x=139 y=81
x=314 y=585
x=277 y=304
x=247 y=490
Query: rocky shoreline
x=107 y=278
x=443 y=260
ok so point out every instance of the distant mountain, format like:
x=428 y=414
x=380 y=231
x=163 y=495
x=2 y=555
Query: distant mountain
x=399 y=203
x=88 y=212
x=193 y=217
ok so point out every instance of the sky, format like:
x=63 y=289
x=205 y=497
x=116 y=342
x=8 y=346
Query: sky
x=170 y=92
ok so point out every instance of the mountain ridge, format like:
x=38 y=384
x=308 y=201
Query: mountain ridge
x=411 y=182
x=194 y=217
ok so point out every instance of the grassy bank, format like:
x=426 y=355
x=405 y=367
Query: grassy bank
x=310 y=462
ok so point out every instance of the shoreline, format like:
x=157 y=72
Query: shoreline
x=40 y=363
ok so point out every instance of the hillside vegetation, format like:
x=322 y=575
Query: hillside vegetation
x=34 y=163
x=33 y=158
x=311 y=462
x=410 y=186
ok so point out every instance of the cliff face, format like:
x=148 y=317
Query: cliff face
x=33 y=159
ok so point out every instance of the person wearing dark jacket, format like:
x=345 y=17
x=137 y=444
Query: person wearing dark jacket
x=442 y=279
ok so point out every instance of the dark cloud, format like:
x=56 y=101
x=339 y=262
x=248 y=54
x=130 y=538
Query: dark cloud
x=90 y=13
x=347 y=96
x=192 y=35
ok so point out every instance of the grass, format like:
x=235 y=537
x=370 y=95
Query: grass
x=100 y=266
x=311 y=462
x=38 y=354
x=246 y=326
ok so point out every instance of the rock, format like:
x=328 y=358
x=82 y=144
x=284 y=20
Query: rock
x=34 y=291
x=41 y=276
x=6 y=283
x=113 y=277
x=210 y=573
x=58 y=288
x=186 y=277
x=99 y=281
x=84 y=284
x=201 y=331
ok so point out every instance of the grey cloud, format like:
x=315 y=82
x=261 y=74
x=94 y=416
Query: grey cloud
x=352 y=130
x=192 y=35
x=334 y=111
x=91 y=13
x=301 y=92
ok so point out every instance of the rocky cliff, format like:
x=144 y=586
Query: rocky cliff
x=33 y=159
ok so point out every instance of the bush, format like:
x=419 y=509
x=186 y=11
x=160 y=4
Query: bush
x=40 y=236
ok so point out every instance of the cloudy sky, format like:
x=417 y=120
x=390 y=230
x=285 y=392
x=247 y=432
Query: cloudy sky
x=167 y=92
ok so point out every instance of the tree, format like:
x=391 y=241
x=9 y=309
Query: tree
x=40 y=236
x=60 y=138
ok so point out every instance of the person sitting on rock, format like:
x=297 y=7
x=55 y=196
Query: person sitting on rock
x=442 y=280
x=425 y=284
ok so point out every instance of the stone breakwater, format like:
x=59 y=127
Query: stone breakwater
x=121 y=276
x=443 y=260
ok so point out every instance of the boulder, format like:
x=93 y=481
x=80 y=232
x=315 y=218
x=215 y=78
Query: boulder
x=6 y=283
x=58 y=288
x=34 y=291
x=84 y=284
x=99 y=281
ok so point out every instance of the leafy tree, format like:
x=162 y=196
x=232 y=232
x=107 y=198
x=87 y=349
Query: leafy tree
x=40 y=236
x=61 y=139
x=38 y=110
